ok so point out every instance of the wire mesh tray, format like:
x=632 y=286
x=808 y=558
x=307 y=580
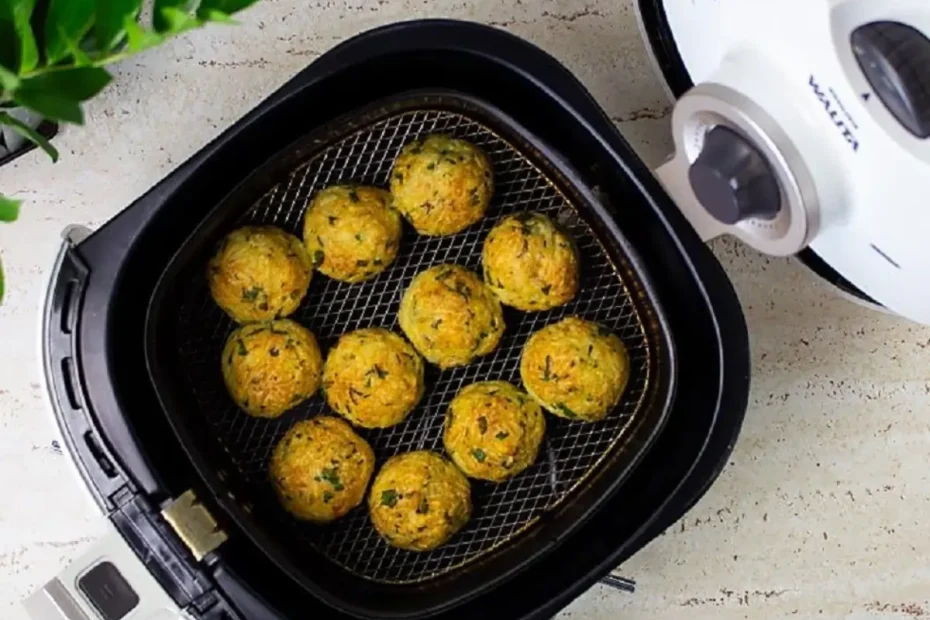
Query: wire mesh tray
x=573 y=452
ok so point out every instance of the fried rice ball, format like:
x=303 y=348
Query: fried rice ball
x=271 y=367
x=419 y=500
x=450 y=316
x=259 y=273
x=530 y=263
x=321 y=468
x=373 y=377
x=575 y=369
x=352 y=233
x=493 y=430
x=441 y=184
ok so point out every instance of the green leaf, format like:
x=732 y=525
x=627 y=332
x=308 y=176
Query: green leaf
x=165 y=11
x=67 y=20
x=9 y=209
x=216 y=17
x=19 y=12
x=8 y=41
x=81 y=59
x=139 y=39
x=224 y=6
x=30 y=134
x=77 y=84
x=177 y=20
x=111 y=21
x=8 y=80
x=50 y=105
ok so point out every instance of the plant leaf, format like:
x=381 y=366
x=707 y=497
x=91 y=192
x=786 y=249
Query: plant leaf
x=161 y=20
x=216 y=17
x=177 y=20
x=138 y=39
x=8 y=80
x=50 y=106
x=224 y=6
x=77 y=84
x=9 y=209
x=8 y=40
x=67 y=20
x=81 y=59
x=111 y=21
x=30 y=134
x=19 y=12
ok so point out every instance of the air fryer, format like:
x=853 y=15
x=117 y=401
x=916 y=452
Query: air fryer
x=130 y=398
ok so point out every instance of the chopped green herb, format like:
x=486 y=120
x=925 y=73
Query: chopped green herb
x=330 y=475
x=547 y=369
x=445 y=274
x=565 y=410
x=545 y=289
x=590 y=349
x=251 y=294
x=431 y=165
x=389 y=498
x=399 y=177
x=377 y=262
x=354 y=395
x=318 y=258
x=427 y=206
x=327 y=496
x=361 y=263
x=380 y=372
x=274 y=352
x=242 y=350
x=353 y=195
x=263 y=305
x=332 y=219
x=524 y=248
x=502 y=435
x=423 y=507
x=358 y=237
x=479 y=455
x=435 y=324
x=483 y=425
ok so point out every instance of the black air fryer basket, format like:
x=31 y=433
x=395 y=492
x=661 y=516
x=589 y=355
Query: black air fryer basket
x=136 y=339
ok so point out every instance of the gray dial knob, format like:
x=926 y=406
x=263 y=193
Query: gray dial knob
x=895 y=59
x=732 y=179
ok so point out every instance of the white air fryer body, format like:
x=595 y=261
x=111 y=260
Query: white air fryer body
x=788 y=78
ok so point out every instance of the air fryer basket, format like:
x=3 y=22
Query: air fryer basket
x=513 y=522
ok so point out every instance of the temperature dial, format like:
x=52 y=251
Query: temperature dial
x=732 y=179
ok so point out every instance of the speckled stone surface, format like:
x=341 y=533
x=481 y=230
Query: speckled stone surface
x=822 y=510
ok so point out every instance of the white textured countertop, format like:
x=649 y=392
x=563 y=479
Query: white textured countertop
x=822 y=511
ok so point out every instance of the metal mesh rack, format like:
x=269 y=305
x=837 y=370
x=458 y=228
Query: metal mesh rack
x=572 y=451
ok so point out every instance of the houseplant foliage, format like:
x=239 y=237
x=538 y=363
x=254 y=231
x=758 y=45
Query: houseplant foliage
x=53 y=54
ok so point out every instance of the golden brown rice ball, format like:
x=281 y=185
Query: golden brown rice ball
x=259 y=273
x=530 y=263
x=271 y=367
x=373 y=377
x=419 y=500
x=450 y=316
x=352 y=233
x=576 y=369
x=320 y=469
x=442 y=185
x=493 y=430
